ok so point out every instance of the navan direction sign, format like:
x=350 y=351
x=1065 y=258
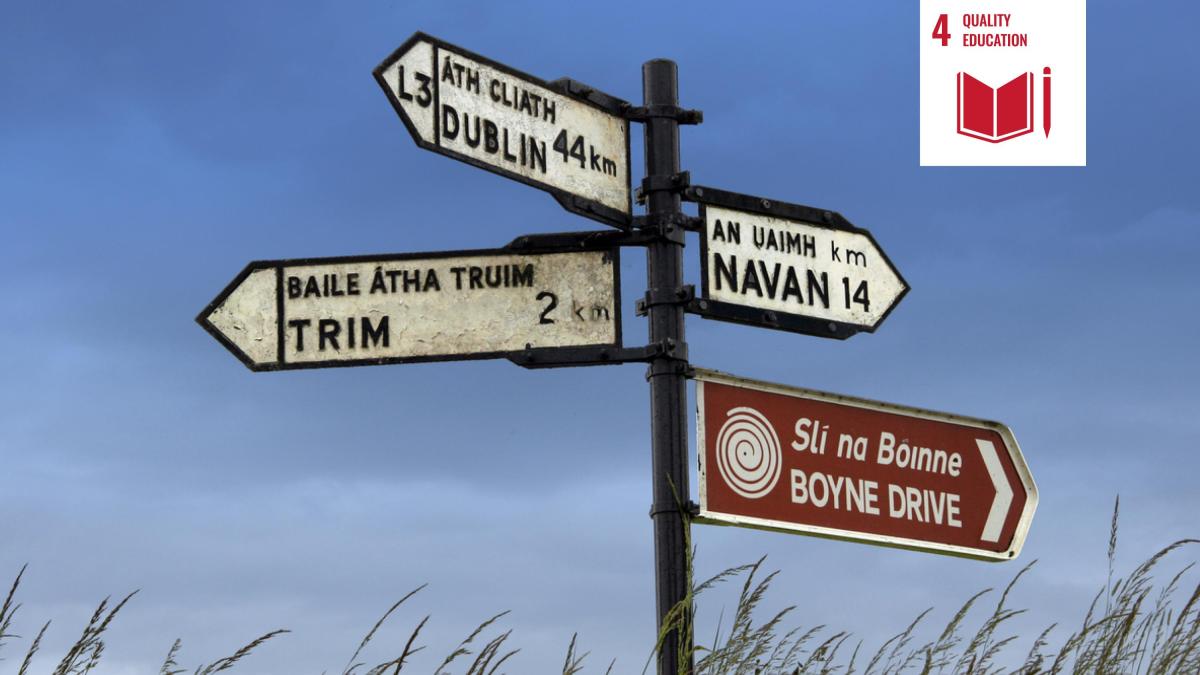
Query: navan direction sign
x=375 y=310
x=462 y=105
x=795 y=460
x=791 y=267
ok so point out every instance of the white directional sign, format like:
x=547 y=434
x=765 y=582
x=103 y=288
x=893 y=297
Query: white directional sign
x=791 y=267
x=374 y=310
x=473 y=109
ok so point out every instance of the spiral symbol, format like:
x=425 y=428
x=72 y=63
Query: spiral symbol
x=748 y=454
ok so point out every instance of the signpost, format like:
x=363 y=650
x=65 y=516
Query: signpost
x=770 y=456
x=561 y=137
x=795 y=460
x=791 y=267
x=375 y=310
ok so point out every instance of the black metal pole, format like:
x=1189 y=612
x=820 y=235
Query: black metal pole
x=667 y=374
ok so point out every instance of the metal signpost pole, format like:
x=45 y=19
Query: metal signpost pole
x=667 y=373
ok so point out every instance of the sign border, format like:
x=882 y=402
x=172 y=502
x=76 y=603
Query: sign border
x=717 y=518
x=763 y=318
x=614 y=253
x=571 y=202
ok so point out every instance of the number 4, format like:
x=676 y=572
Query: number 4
x=941 y=30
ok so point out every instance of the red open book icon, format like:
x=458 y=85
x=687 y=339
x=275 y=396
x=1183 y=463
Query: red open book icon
x=995 y=114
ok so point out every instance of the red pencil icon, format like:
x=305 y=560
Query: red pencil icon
x=1046 y=100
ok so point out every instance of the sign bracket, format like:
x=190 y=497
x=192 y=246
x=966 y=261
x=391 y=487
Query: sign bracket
x=726 y=311
x=600 y=355
x=583 y=240
x=644 y=113
x=656 y=296
x=691 y=508
x=676 y=183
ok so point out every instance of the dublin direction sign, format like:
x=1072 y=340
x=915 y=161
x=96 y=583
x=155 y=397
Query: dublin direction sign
x=791 y=267
x=374 y=310
x=568 y=140
x=794 y=460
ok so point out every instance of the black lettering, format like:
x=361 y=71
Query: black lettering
x=404 y=95
x=544 y=295
x=577 y=152
x=488 y=277
x=750 y=279
x=299 y=325
x=449 y=122
x=821 y=288
x=473 y=142
x=377 y=285
x=792 y=244
x=293 y=288
x=476 y=276
x=537 y=154
x=523 y=277
x=791 y=286
x=728 y=272
x=312 y=288
x=327 y=332
x=412 y=280
x=431 y=281
x=491 y=141
x=772 y=281
x=424 y=94
x=457 y=272
x=373 y=335
x=506 y=154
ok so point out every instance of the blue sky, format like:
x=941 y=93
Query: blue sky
x=149 y=150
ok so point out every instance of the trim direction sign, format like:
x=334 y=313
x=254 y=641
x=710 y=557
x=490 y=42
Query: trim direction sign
x=794 y=460
x=376 y=310
x=466 y=106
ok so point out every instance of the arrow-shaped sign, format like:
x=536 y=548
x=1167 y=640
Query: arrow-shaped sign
x=796 y=460
x=792 y=267
x=463 y=105
x=373 y=310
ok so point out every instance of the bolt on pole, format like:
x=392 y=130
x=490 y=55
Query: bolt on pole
x=667 y=373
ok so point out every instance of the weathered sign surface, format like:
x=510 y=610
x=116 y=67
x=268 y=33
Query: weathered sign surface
x=373 y=310
x=795 y=460
x=791 y=267
x=473 y=109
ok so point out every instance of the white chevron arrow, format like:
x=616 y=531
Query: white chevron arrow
x=1004 y=493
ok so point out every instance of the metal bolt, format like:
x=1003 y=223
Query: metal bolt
x=828 y=216
x=766 y=203
x=699 y=192
x=832 y=327
x=703 y=304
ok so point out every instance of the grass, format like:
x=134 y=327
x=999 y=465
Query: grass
x=1133 y=625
